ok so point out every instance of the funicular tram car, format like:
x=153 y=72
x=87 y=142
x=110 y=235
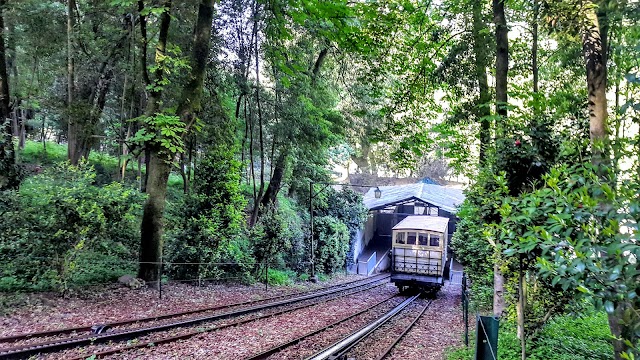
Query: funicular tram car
x=419 y=253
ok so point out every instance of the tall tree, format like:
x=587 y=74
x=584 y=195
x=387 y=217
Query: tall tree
x=502 y=68
x=502 y=57
x=9 y=177
x=72 y=127
x=162 y=153
x=596 y=67
x=594 y=35
x=157 y=171
x=480 y=47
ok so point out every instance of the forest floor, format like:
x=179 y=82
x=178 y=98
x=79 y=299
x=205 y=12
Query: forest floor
x=440 y=328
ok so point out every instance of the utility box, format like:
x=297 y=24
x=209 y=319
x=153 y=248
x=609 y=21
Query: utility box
x=487 y=337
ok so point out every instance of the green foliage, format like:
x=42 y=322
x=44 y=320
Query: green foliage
x=567 y=337
x=571 y=229
x=164 y=130
x=347 y=207
x=36 y=159
x=278 y=237
x=331 y=237
x=207 y=224
x=280 y=277
x=60 y=230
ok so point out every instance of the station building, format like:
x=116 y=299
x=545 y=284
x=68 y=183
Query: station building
x=373 y=242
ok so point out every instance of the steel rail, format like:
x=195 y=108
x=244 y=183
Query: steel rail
x=88 y=328
x=56 y=345
x=214 y=328
x=406 y=330
x=341 y=347
x=277 y=348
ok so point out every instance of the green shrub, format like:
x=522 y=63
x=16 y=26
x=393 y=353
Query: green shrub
x=347 y=207
x=332 y=244
x=207 y=225
x=34 y=153
x=567 y=337
x=585 y=337
x=59 y=228
x=279 y=277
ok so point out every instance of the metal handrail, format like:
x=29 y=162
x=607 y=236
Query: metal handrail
x=368 y=264
x=371 y=265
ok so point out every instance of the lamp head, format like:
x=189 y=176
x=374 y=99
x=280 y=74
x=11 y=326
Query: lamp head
x=377 y=192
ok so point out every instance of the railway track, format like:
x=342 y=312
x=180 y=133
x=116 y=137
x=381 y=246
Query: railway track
x=274 y=350
x=343 y=348
x=90 y=328
x=112 y=335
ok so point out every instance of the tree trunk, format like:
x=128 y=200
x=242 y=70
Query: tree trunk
x=502 y=57
x=22 y=133
x=480 y=45
x=71 y=121
x=9 y=176
x=498 y=291
x=159 y=164
x=152 y=219
x=534 y=48
x=594 y=57
x=156 y=174
x=520 y=310
x=596 y=67
x=502 y=68
x=275 y=184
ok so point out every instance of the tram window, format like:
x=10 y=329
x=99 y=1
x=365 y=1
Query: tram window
x=434 y=240
x=422 y=239
x=400 y=238
x=411 y=238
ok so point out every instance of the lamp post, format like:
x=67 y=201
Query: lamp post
x=377 y=195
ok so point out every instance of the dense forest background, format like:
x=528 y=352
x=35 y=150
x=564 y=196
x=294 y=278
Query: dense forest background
x=191 y=133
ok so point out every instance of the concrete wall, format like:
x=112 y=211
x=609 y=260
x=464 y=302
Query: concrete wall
x=363 y=236
x=370 y=228
x=358 y=245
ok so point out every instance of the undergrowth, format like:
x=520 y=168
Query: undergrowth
x=568 y=337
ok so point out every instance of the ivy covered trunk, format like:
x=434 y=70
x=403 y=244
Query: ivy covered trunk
x=162 y=153
x=152 y=218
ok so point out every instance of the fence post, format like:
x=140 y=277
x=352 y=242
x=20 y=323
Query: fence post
x=487 y=337
x=266 y=275
x=160 y=279
x=465 y=309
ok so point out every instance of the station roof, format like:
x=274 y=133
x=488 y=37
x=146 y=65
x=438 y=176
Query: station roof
x=423 y=222
x=446 y=198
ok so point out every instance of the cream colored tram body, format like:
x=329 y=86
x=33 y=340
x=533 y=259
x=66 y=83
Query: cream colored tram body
x=419 y=252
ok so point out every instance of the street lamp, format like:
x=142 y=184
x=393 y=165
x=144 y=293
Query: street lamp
x=377 y=193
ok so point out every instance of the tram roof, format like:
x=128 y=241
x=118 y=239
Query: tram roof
x=423 y=222
x=444 y=197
